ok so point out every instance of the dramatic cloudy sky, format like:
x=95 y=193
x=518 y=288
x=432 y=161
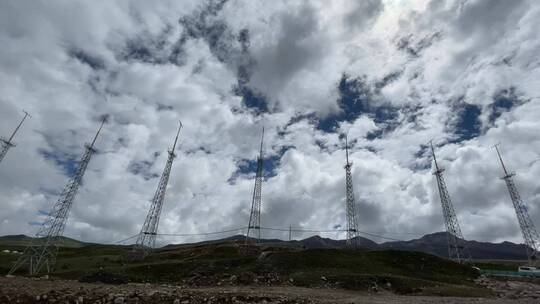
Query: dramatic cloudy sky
x=392 y=74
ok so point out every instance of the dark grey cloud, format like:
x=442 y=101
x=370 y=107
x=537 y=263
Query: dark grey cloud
x=295 y=48
x=363 y=13
x=488 y=21
x=94 y=62
x=154 y=49
x=414 y=46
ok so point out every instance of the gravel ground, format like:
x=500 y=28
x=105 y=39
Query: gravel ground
x=24 y=290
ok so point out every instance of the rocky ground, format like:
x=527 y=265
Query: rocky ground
x=25 y=290
x=512 y=289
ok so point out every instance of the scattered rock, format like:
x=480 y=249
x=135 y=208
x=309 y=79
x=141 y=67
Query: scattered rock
x=246 y=278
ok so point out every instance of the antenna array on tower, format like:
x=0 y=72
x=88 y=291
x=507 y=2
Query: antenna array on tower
x=530 y=235
x=146 y=240
x=6 y=144
x=353 y=237
x=255 y=214
x=457 y=250
x=41 y=253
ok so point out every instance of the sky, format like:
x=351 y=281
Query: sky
x=392 y=75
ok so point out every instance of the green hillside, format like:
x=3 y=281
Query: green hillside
x=11 y=241
x=232 y=263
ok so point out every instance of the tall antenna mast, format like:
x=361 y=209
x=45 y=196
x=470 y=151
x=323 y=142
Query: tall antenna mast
x=146 y=241
x=42 y=251
x=98 y=131
x=501 y=160
x=528 y=230
x=457 y=250
x=290 y=233
x=350 y=205
x=5 y=144
x=255 y=215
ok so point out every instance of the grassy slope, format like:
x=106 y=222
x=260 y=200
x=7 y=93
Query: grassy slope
x=20 y=241
x=402 y=272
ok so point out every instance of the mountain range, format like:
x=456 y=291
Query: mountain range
x=435 y=243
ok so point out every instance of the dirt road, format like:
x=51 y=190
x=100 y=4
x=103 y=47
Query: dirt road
x=24 y=290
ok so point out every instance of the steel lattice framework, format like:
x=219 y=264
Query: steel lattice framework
x=44 y=247
x=528 y=230
x=457 y=250
x=146 y=240
x=350 y=205
x=255 y=214
x=7 y=143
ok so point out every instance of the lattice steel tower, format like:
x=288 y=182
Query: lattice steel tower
x=44 y=247
x=5 y=144
x=457 y=250
x=146 y=240
x=350 y=205
x=530 y=235
x=255 y=215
